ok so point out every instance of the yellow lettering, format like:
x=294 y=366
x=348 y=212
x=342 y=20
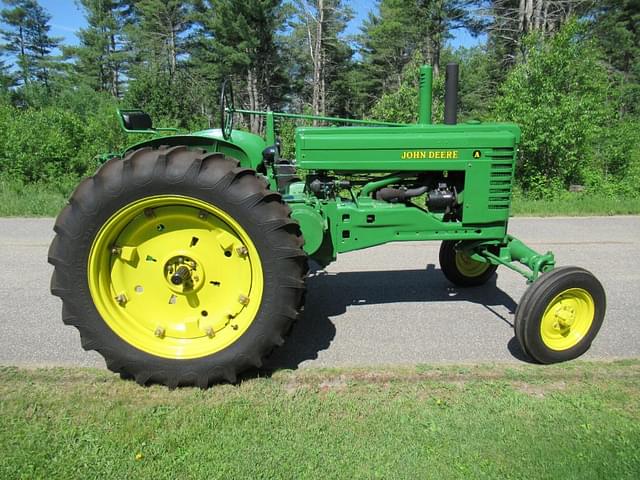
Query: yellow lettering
x=420 y=154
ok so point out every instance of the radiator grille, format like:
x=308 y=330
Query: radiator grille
x=501 y=178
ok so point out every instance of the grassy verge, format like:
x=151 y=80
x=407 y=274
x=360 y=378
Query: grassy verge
x=577 y=205
x=18 y=200
x=580 y=420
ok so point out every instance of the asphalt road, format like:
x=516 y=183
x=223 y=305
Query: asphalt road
x=382 y=306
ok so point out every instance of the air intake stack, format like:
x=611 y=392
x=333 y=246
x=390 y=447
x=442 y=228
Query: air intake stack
x=425 y=100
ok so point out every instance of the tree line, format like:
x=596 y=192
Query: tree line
x=565 y=70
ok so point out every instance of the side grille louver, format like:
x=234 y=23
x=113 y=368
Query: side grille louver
x=500 y=182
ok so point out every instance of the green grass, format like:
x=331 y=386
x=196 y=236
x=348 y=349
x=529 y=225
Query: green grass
x=576 y=205
x=19 y=200
x=579 y=420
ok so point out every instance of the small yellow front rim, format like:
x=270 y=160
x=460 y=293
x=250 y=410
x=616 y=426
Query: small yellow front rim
x=567 y=319
x=175 y=277
x=468 y=266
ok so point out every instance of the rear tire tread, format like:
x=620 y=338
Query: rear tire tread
x=171 y=170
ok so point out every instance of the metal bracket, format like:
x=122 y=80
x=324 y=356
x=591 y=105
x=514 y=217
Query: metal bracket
x=509 y=251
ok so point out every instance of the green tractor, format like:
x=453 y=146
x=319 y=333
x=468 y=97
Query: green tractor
x=182 y=261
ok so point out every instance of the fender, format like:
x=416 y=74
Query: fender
x=243 y=146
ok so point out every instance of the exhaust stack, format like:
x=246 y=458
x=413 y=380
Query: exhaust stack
x=451 y=94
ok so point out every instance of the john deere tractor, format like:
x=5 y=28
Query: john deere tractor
x=182 y=260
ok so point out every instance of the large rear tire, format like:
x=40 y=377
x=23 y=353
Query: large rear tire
x=178 y=266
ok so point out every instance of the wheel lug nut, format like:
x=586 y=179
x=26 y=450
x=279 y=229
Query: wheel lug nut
x=210 y=332
x=121 y=299
x=243 y=299
x=159 y=332
x=242 y=251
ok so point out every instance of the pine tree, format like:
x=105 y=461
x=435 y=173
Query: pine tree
x=322 y=57
x=386 y=45
x=103 y=52
x=7 y=79
x=159 y=80
x=400 y=28
x=40 y=44
x=15 y=37
x=158 y=34
x=240 y=39
x=28 y=39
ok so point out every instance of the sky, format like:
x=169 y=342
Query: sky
x=67 y=19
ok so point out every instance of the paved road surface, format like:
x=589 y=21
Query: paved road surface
x=386 y=305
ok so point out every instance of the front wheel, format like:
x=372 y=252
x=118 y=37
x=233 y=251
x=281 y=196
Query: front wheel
x=178 y=266
x=460 y=269
x=560 y=314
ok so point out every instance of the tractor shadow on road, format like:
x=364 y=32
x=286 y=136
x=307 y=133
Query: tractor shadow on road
x=329 y=295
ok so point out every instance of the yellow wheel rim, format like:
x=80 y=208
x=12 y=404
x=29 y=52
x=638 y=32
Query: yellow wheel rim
x=175 y=277
x=469 y=267
x=567 y=319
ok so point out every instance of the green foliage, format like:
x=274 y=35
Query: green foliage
x=58 y=144
x=559 y=95
x=167 y=99
x=614 y=168
x=400 y=105
x=574 y=92
x=476 y=93
x=287 y=136
x=615 y=28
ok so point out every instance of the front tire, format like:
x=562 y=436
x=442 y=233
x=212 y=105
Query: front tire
x=178 y=266
x=462 y=270
x=560 y=314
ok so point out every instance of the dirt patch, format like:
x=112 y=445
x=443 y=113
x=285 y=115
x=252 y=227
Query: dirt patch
x=540 y=390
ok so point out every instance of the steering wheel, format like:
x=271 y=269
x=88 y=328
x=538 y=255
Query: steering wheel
x=227 y=108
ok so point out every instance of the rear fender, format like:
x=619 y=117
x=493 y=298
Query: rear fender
x=243 y=146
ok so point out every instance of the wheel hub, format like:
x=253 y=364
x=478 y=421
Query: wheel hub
x=183 y=274
x=468 y=266
x=567 y=319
